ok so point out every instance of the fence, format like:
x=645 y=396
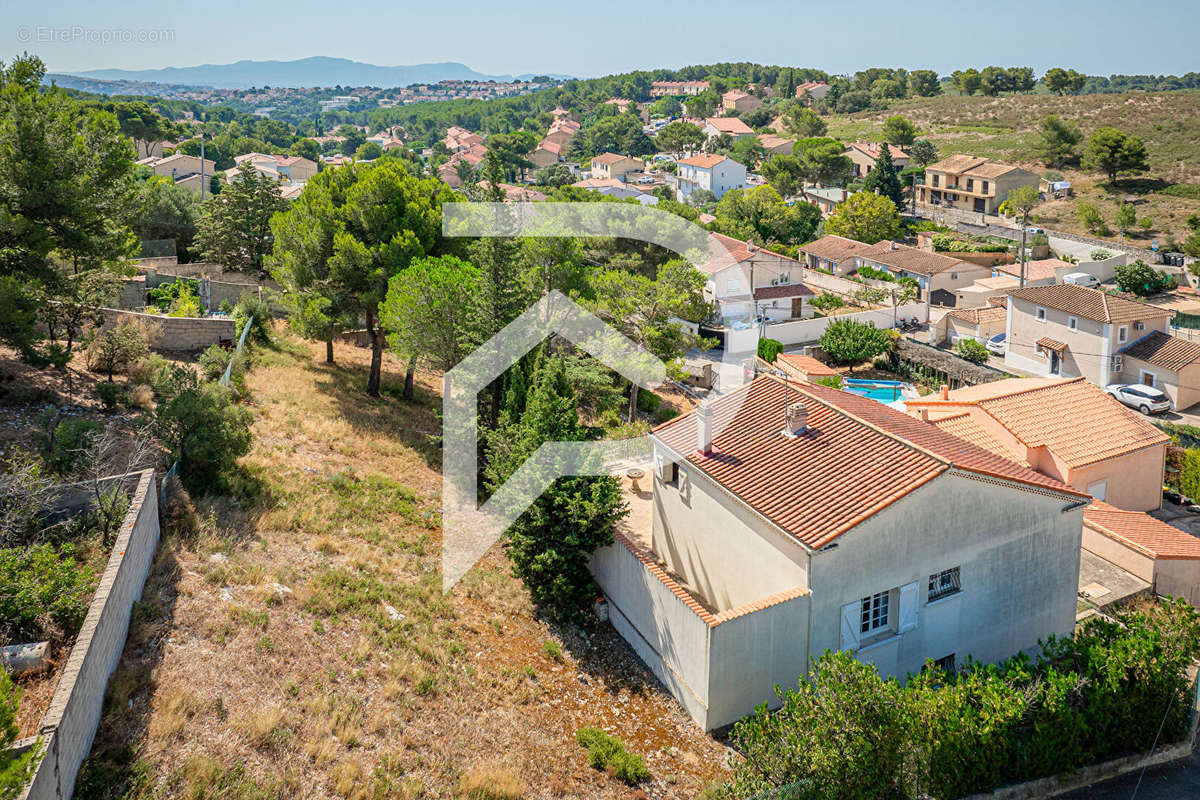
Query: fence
x=69 y=726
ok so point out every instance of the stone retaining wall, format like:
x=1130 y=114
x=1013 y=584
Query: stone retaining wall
x=69 y=726
x=178 y=334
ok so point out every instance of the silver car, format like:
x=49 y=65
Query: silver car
x=998 y=344
x=1145 y=399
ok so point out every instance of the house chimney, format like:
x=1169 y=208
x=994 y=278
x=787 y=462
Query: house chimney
x=797 y=419
x=945 y=392
x=924 y=415
x=704 y=435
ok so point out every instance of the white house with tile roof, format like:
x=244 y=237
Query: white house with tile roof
x=715 y=173
x=789 y=518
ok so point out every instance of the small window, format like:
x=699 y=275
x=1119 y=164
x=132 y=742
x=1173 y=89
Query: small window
x=875 y=612
x=970 y=184
x=935 y=180
x=1122 y=333
x=985 y=190
x=1041 y=315
x=1073 y=323
x=946 y=664
x=674 y=481
x=944 y=584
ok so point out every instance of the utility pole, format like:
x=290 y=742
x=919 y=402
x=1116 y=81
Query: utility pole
x=202 y=186
x=1024 y=251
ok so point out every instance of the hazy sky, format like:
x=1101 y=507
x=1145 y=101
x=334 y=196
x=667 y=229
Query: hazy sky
x=519 y=36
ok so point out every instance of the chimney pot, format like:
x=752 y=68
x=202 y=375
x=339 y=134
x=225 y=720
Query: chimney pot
x=704 y=435
x=945 y=392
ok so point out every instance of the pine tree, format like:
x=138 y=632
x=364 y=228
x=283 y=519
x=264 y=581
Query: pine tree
x=883 y=179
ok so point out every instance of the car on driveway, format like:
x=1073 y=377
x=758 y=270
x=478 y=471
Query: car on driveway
x=1145 y=399
x=997 y=344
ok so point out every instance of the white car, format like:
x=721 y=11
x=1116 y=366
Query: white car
x=1145 y=399
x=1082 y=279
x=997 y=344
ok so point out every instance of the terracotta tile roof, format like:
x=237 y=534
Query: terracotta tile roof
x=972 y=166
x=726 y=248
x=782 y=291
x=1064 y=415
x=1152 y=536
x=976 y=316
x=734 y=94
x=1037 y=270
x=770 y=141
x=806 y=365
x=834 y=248
x=910 y=259
x=1046 y=343
x=704 y=162
x=873 y=149
x=857 y=458
x=611 y=158
x=1090 y=304
x=966 y=427
x=1164 y=350
x=730 y=125
x=551 y=147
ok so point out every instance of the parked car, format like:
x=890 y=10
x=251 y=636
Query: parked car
x=998 y=344
x=1081 y=279
x=645 y=179
x=1145 y=399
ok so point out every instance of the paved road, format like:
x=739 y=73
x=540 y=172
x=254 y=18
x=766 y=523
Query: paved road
x=1175 y=781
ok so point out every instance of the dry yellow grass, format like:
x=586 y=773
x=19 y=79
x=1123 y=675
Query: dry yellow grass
x=490 y=782
x=277 y=610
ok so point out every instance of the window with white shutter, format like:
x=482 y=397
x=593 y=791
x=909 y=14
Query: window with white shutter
x=908 y=607
x=850 y=623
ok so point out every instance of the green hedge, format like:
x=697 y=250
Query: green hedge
x=1114 y=688
x=769 y=349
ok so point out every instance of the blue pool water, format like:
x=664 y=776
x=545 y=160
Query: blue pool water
x=883 y=391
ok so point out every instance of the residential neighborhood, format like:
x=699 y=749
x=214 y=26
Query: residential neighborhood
x=539 y=419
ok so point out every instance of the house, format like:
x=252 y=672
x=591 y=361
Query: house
x=461 y=139
x=1166 y=362
x=1038 y=272
x=937 y=275
x=982 y=292
x=833 y=254
x=194 y=183
x=727 y=126
x=812 y=90
x=789 y=518
x=288 y=169
x=714 y=173
x=775 y=145
x=737 y=100
x=180 y=165
x=546 y=154
x=803 y=367
x=1072 y=331
x=621 y=103
x=825 y=198
x=614 y=165
x=864 y=155
x=1164 y=556
x=736 y=266
x=1065 y=428
x=979 y=323
x=677 y=88
x=973 y=184
x=562 y=132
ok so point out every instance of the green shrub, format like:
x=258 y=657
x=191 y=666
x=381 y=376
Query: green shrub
x=665 y=413
x=14 y=768
x=214 y=360
x=1189 y=473
x=1142 y=279
x=608 y=753
x=1099 y=254
x=253 y=309
x=72 y=438
x=109 y=394
x=41 y=582
x=164 y=296
x=944 y=243
x=867 y=271
x=769 y=349
x=827 y=302
x=972 y=350
x=118 y=348
x=207 y=432
x=832 y=381
x=848 y=341
x=648 y=401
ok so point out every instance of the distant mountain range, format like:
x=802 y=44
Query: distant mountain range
x=320 y=71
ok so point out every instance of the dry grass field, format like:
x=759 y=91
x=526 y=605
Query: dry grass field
x=1005 y=129
x=298 y=643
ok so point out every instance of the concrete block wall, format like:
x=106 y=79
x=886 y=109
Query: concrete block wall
x=178 y=334
x=69 y=726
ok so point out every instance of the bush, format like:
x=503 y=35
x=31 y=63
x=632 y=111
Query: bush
x=944 y=243
x=215 y=359
x=42 y=582
x=1142 y=279
x=1099 y=254
x=118 y=347
x=769 y=349
x=110 y=394
x=14 y=768
x=253 y=309
x=848 y=341
x=827 y=302
x=869 y=272
x=972 y=350
x=664 y=414
x=207 y=433
x=1189 y=473
x=140 y=396
x=832 y=381
x=608 y=753
x=163 y=297
x=648 y=401
x=72 y=438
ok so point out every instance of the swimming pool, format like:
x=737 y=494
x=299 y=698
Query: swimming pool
x=883 y=391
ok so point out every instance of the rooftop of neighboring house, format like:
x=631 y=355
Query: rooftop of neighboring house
x=977 y=316
x=834 y=248
x=704 y=161
x=730 y=125
x=872 y=150
x=806 y=365
x=855 y=458
x=832 y=194
x=726 y=248
x=611 y=158
x=1040 y=269
x=971 y=166
x=782 y=291
x=770 y=141
x=676 y=84
x=1061 y=414
x=550 y=147
x=1163 y=350
x=1090 y=304
x=993 y=284
x=910 y=259
x=808 y=86
x=600 y=183
x=735 y=94
x=1151 y=536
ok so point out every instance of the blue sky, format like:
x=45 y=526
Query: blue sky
x=518 y=36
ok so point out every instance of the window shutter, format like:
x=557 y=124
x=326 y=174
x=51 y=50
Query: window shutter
x=851 y=625
x=908 y=607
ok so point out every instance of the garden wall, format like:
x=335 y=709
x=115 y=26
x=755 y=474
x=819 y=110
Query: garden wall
x=69 y=725
x=806 y=331
x=178 y=334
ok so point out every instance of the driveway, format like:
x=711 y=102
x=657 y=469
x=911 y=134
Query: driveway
x=1174 y=781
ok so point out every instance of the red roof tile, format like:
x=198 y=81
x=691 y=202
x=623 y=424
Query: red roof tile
x=1147 y=534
